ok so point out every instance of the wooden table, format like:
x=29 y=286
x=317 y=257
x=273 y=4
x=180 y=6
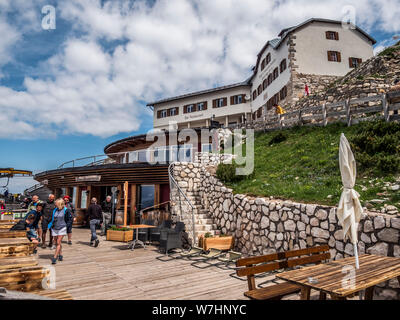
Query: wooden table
x=330 y=278
x=133 y=243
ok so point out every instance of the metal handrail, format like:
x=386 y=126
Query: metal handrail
x=111 y=156
x=173 y=182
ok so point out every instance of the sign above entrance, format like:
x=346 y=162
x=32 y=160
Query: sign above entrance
x=88 y=179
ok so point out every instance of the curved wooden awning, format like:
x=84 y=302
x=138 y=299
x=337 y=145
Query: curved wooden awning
x=105 y=175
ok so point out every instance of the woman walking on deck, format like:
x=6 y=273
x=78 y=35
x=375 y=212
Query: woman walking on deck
x=61 y=218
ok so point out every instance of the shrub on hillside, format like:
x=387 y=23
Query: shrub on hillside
x=227 y=173
x=377 y=147
x=278 y=138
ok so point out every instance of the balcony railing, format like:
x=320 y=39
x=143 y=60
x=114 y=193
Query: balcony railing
x=166 y=155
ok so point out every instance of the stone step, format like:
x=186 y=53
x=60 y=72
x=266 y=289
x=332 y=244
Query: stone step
x=204 y=227
x=204 y=221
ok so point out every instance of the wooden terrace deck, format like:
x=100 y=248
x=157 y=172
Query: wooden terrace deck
x=113 y=272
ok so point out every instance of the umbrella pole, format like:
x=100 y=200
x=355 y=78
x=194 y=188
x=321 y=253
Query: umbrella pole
x=356 y=256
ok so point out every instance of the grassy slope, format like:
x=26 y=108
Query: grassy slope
x=305 y=168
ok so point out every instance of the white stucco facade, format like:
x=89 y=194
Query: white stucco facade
x=306 y=50
x=226 y=115
x=312 y=47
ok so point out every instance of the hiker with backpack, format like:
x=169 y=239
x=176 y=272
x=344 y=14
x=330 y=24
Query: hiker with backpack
x=58 y=225
x=26 y=225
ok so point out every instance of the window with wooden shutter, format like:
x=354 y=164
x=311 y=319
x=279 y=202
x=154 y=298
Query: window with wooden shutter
x=275 y=74
x=332 y=35
x=354 y=62
x=259 y=89
x=269 y=79
x=334 y=56
x=177 y=111
x=232 y=100
x=283 y=65
x=168 y=113
x=263 y=65
x=158 y=114
x=225 y=103
x=185 y=109
x=268 y=59
x=265 y=84
x=254 y=95
x=214 y=103
x=205 y=105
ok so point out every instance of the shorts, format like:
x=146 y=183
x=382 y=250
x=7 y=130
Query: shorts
x=62 y=232
x=32 y=235
x=45 y=224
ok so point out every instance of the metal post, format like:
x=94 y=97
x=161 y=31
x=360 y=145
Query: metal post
x=324 y=114
x=385 y=108
x=348 y=115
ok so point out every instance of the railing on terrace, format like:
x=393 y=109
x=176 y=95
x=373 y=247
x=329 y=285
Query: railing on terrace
x=159 y=155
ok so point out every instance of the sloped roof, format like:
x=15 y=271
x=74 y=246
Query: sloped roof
x=188 y=95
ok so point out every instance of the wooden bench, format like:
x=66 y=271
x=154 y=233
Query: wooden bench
x=24 y=279
x=249 y=267
x=6 y=226
x=12 y=234
x=15 y=247
x=17 y=262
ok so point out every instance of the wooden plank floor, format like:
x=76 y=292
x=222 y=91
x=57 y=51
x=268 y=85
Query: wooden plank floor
x=113 y=272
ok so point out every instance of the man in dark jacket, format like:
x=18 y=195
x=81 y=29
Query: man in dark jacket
x=95 y=219
x=106 y=206
x=46 y=218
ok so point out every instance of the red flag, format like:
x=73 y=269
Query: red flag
x=307 y=90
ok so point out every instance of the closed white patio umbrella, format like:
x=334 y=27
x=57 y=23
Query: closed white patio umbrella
x=349 y=210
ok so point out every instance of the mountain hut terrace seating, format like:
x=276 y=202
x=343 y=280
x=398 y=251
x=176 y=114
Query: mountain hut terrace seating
x=171 y=238
x=249 y=267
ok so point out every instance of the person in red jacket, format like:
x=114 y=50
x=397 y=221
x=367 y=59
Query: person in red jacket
x=2 y=205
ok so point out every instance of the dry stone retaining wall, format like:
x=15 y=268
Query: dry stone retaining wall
x=263 y=225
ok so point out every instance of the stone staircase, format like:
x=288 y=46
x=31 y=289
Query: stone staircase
x=203 y=219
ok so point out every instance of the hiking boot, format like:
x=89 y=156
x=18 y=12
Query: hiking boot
x=70 y=243
x=53 y=260
x=43 y=246
x=96 y=243
x=91 y=243
x=53 y=247
x=34 y=251
x=60 y=258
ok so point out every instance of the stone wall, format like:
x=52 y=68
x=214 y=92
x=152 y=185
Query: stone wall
x=263 y=225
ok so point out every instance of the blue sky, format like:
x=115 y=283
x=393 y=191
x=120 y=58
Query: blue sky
x=68 y=92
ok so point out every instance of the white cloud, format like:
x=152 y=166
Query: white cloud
x=172 y=47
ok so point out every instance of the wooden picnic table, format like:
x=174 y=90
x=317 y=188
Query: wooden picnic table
x=330 y=278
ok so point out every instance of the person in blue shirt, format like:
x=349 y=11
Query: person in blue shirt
x=37 y=212
x=60 y=220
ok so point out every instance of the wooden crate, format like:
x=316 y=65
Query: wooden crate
x=221 y=243
x=24 y=279
x=12 y=234
x=15 y=247
x=121 y=236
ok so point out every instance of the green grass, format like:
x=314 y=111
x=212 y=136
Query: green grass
x=305 y=167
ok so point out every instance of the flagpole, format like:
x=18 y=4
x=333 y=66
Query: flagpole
x=356 y=256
